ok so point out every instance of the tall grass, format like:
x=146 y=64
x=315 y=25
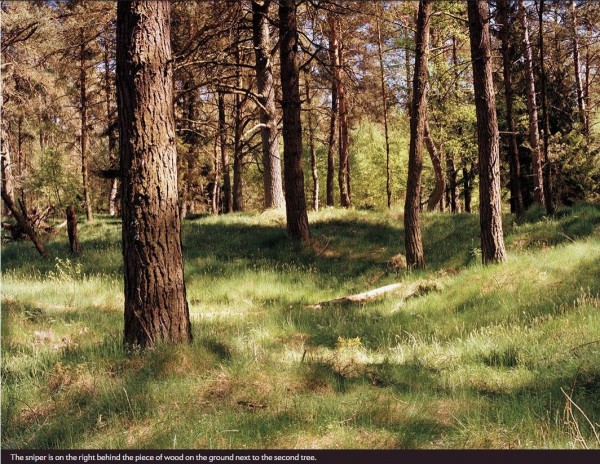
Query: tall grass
x=502 y=356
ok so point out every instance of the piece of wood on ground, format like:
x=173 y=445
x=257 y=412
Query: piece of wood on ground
x=402 y=290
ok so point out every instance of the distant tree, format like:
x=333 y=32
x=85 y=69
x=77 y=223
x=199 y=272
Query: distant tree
x=295 y=200
x=490 y=208
x=268 y=116
x=413 y=240
x=156 y=308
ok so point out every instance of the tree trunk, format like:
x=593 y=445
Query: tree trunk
x=113 y=204
x=468 y=187
x=8 y=186
x=334 y=60
x=72 y=230
x=516 y=195
x=453 y=195
x=534 y=138
x=549 y=200
x=311 y=142
x=577 y=68
x=388 y=185
x=22 y=222
x=238 y=161
x=436 y=160
x=215 y=193
x=295 y=201
x=413 y=241
x=155 y=296
x=227 y=192
x=344 y=136
x=490 y=208
x=268 y=117
x=84 y=130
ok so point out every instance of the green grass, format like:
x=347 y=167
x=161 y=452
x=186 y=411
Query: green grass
x=489 y=360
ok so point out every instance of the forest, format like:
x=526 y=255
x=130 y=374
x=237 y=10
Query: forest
x=300 y=224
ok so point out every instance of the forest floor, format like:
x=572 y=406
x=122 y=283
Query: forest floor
x=504 y=356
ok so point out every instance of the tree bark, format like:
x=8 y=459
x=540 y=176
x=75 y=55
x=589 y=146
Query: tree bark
x=577 y=68
x=156 y=308
x=516 y=195
x=238 y=155
x=549 y=197
x=437 y=194
x=295 y=201
x=490 y=209
x=268 y=117
x=388 y=185
x=344 y=135
x=84 y=129
x=113 y=205
x=534 y=137
x=22 y=222
x=334 y=60
x=227 y=192
x=8 y=186
x=311 y=144
x=413 y=241
x=72 y=230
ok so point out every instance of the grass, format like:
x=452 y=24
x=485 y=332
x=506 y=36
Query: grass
x=504 y=356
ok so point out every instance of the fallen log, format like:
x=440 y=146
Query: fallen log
x=402 y=290
x=23 y=224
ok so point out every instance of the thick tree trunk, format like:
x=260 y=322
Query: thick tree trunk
x=577 y=69
x=311 y=144
x=534 y=137
x=490 y=208
x=155 y=297
x=295 y=200
x=268 y=117
x=516 y=195
x=334 y=60
x=84 y=130
x=413 y=241
x=388 y=184
x=549 y=200
x=437 y=195
x=72 y=230
x=227 y=192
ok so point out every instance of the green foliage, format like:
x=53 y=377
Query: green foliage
x=480 y=363
x=54 y=180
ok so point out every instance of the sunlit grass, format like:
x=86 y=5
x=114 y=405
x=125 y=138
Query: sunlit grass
x=485 y=361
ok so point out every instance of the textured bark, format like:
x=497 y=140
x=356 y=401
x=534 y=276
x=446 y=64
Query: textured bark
x=334 y=60
x=388 y=185
x=311 y=144
x=549 y=197
x=534 y=137
x=8 y=186
x=72 y=230
x=84 y=129
x=155 y=297
x=577 y=70
x=227 y=192
x=22 y=222
x=490 y=209
x=413 y=241
x=516 y=194
x=268 y=117
x=344 y=135
x=437 y=195
x=295 y=201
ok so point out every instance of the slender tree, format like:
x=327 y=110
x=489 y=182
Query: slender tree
x=156 y=308
x=222 y=135
x=83 y=102
x=413 y=241
x=295 y=200
x=516 y=194
x=334 y=63
x=268 y=118
x=534 y=135
x=577 y=70
x=490 y=208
